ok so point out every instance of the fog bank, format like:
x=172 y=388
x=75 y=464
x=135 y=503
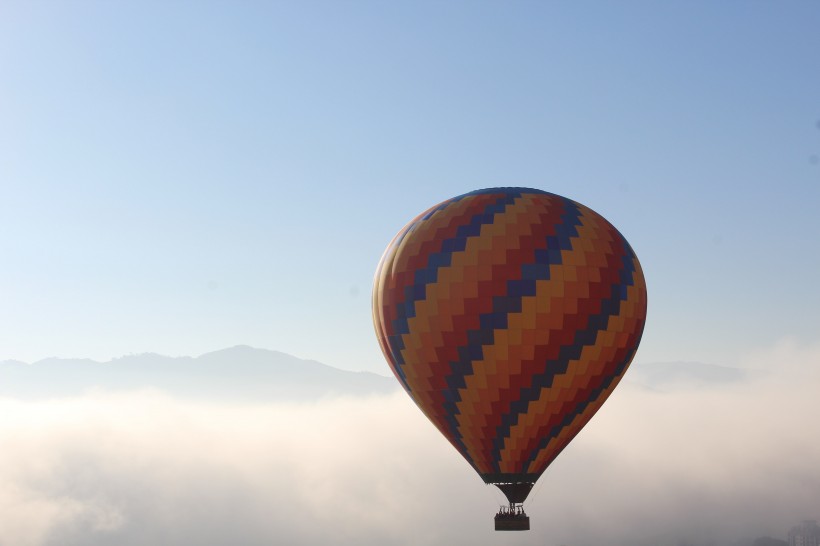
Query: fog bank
x=707 y=466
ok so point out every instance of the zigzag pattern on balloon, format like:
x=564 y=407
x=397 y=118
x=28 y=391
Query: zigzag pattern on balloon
x=509 y=315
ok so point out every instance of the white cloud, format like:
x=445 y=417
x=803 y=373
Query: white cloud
x=144 y=468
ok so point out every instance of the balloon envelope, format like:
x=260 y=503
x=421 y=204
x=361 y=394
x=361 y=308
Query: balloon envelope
x=509 y=315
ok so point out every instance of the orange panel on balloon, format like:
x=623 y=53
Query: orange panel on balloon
x=509 y=315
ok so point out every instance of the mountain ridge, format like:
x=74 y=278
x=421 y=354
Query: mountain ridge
x=676 y=375
x=235 y=373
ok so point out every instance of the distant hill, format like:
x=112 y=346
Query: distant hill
x=675 y=375
x=238 y=374
x=761 y=541
x=768 y=541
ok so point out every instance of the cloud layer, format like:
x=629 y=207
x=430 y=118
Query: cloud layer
x=707 y=466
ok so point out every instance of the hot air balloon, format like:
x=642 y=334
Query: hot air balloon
x=509 y=315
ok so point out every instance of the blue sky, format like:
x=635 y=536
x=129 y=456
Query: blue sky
x=179 y=178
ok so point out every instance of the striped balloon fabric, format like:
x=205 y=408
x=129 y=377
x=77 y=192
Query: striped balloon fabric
x=509 y=315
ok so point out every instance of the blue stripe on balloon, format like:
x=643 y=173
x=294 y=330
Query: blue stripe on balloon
x=597 y=322
x=517 y=289
x=429 y=274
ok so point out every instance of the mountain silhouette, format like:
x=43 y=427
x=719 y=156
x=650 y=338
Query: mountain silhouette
x=666 y=376
x=239 y=373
